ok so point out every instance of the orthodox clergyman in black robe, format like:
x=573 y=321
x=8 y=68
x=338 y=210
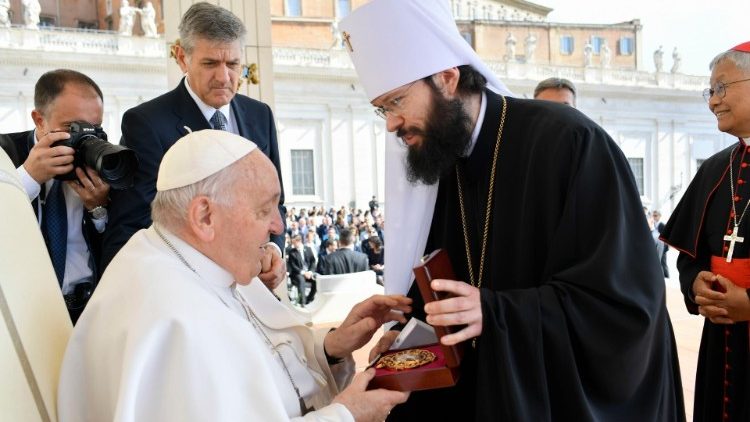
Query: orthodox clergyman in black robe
x=563 y=306
x=575 y=325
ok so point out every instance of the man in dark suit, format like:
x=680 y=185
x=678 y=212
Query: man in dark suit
x=72 y=214
x=327 y=247
x=210 y=54
x=300 y=262
x=345 y=260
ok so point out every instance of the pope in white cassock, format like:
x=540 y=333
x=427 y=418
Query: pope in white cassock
x=167 y=336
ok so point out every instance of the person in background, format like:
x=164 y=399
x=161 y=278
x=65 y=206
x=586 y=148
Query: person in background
x=345 y=259
x=559 y=90
x=72 y=214
x=373 y=204
x=709 y=227
x=659 y=226
x=327 y=247
x=375 y=257
x=300 y=262
x=210 y=54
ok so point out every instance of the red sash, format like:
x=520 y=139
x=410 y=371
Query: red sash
x=738 y=271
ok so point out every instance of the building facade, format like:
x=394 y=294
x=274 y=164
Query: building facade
x=332 y=144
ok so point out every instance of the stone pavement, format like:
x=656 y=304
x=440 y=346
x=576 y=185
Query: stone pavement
x=687 y=332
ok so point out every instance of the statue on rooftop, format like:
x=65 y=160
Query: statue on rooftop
x=127 y=18
x=530 y=47
x=31 y=10
x=148 y=20
x=605 y=55
x=4 y=18
x=659 y=59
x=677 y=58
x=510 y=48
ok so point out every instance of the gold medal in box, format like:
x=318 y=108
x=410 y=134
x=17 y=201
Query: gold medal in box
x=418 y=361
x=406 y=359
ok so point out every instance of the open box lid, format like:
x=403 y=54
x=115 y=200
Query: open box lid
x=437 y=265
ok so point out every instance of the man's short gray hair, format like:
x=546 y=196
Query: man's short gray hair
x=209 y=22
x=555 y=83
x=169 y=208
x=738 y=58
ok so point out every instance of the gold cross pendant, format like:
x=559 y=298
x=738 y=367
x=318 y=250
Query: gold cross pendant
x=345 y=35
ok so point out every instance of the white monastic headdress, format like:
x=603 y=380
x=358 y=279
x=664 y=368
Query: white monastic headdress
x=198 y=155
x=392 y=43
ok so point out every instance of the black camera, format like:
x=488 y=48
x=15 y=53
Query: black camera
x=115 y=164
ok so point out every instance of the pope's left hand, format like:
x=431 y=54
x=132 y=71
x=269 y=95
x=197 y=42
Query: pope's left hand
x=362 y=322
x=272 y=267
x=465 y=308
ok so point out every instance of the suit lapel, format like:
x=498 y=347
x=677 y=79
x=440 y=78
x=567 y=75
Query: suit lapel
x=243 y=124
x=188 y=113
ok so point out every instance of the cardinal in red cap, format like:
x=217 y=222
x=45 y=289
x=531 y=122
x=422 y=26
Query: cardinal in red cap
x=744 y=47
x=711 y=229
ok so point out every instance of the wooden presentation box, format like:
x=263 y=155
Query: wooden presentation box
x=444 y=371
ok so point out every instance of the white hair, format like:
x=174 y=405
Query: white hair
x=169 y=208
x=738 y=58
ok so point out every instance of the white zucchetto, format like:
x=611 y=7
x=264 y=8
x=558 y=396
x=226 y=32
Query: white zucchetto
x=198 y=155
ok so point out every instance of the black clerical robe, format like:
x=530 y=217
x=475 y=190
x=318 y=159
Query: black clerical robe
x=697 y=228
x=575 y=326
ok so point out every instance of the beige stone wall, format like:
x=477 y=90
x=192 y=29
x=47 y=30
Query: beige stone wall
x=313 y=8
x=298 y=34
x=489 y=42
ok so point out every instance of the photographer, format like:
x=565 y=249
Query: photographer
x=72 y=214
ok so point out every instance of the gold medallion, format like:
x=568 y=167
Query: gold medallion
x=406 y=359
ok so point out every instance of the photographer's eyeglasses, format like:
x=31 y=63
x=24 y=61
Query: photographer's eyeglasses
x=719 y=89
x=395 y=106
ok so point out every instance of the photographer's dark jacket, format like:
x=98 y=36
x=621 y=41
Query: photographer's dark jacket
x=150 y=129
x=17 y=146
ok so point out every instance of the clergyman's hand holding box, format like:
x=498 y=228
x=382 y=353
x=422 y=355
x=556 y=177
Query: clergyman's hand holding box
x=414 y=367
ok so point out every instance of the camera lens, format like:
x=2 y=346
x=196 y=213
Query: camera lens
x=115 y=164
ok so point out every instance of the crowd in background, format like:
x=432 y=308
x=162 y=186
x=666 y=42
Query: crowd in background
x=313 y=234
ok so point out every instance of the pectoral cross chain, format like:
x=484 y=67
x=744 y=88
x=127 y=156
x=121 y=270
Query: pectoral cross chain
x=733 y=238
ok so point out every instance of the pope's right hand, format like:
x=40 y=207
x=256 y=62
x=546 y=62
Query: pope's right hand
x=372 y=405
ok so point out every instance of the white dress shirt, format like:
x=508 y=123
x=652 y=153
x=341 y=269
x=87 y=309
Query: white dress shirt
x=208 y=111
x=77 y=256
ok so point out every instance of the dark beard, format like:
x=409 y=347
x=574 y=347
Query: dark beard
x=445 y=137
